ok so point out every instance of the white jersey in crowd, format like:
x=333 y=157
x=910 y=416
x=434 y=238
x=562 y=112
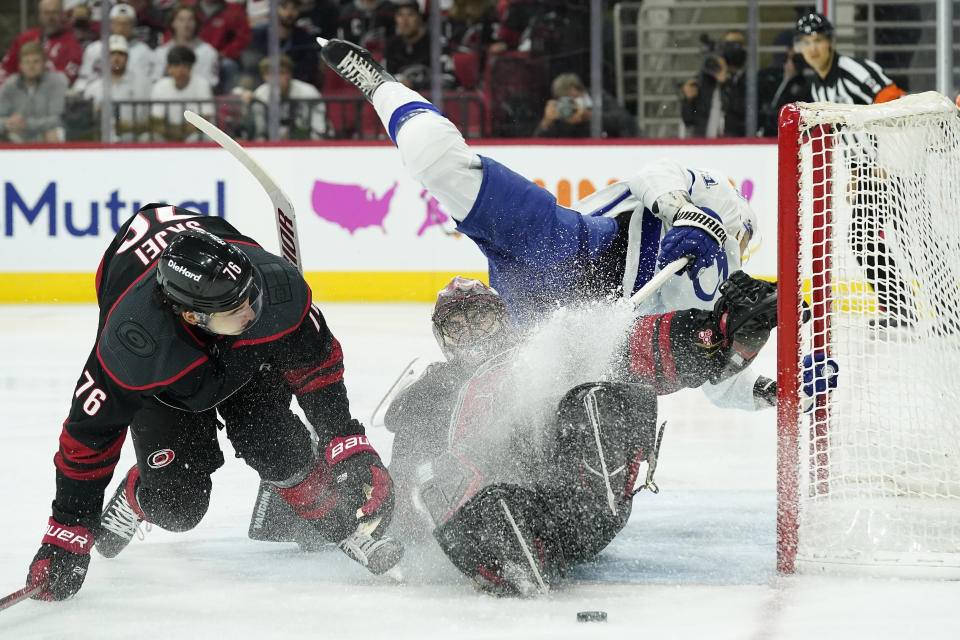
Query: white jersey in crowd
x=299 y=90
x=850 y=81
x=207 y=64
x=170 y=102
x=140 y=61
x=130 y=87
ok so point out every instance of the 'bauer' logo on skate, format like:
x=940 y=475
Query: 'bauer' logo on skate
x=160 y=458
x=342 y=448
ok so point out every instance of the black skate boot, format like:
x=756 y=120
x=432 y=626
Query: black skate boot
x=355 y=65
x=118 y=523
x=378 y=555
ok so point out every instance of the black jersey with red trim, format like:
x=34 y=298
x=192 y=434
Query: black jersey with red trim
x=144 y=351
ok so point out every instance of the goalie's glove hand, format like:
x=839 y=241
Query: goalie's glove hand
x=819 y=378
x=62 y=561
x=746 y=313
x=363 y=485
x=696 y=232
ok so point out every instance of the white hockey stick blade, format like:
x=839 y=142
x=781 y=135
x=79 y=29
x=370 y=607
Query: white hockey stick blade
x=411 y=373
x=658 y=280
x=283 y=209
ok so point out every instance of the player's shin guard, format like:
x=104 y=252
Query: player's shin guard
x=121 y=518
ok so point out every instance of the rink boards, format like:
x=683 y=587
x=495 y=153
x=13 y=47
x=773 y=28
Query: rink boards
x=368 y=231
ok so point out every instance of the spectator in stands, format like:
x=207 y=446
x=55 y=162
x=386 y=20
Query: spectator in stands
x=368 y=23
x=714 y=102
x=81 y=24
x=140 y=60
x=569 y=112
x=151 y=23
x=407 y=55
x=61 y=49
x=184 y=25
x=303 y=115
x=320 y=17
x=471 y=26
x=31 y=101
x=515 y=18
x=839 y=78
x=226 y=27
x=180 y=89
x=781 y=83
x=130 y=120
x=295 y=43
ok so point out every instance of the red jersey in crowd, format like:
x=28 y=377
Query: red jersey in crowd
x=62 y=50
x=228 y=30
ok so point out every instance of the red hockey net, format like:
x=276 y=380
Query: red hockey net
x=869 y=275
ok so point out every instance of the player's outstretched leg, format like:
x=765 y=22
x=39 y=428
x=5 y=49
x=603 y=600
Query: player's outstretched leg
x=120 y=519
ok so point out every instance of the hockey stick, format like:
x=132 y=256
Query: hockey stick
x=286 y=217
x=19 y=596
x=658 y=280
x=409 y=375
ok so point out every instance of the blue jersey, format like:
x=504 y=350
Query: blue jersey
x=538 y=252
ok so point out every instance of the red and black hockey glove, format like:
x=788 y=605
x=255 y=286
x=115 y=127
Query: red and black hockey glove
x=62 y=561
x=362 y=482
x=347 y=487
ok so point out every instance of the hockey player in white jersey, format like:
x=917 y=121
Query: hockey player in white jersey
x=540 y=254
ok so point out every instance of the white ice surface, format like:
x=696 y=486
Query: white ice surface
x=696 y=561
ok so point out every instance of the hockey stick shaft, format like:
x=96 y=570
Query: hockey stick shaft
x=285 y=216
x=658 y=280
x=19 y=596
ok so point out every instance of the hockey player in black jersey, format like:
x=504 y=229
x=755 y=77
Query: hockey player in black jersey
x=202 y=329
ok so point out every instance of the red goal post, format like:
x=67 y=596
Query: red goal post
x=869 y=276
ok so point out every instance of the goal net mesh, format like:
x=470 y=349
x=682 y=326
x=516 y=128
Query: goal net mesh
x=878 y=222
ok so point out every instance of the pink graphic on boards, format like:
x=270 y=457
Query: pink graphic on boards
x=746 y=188
x=351 y=206
x=435 y=215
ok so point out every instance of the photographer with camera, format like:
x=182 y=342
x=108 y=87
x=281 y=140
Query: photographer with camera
x=568 y=113
x=714 y=102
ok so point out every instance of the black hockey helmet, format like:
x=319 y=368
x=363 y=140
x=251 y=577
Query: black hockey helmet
x=199 y=271
x=471 y=321
x=811 y=24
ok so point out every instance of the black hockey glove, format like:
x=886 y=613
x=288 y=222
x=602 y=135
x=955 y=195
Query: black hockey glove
x=62 y=561
x=746 y=313
x=363 y=485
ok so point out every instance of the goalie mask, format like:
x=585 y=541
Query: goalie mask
x=471 y=321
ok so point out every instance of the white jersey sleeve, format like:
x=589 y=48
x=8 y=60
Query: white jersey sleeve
x=706 y=188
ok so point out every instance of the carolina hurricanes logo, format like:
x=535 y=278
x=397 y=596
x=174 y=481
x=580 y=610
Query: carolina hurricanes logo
x=706 y=336
x=160 y=458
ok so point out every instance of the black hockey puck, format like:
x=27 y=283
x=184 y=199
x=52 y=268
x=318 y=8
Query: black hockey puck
x=591 y=616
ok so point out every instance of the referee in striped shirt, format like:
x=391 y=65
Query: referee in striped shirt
x=878 y=198
x=840 y=78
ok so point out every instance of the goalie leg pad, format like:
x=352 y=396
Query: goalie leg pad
x=605 y=432
x=504 y=540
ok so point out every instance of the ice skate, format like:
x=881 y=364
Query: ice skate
x=355 y=64
x=378 y=555
x=118 y=524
